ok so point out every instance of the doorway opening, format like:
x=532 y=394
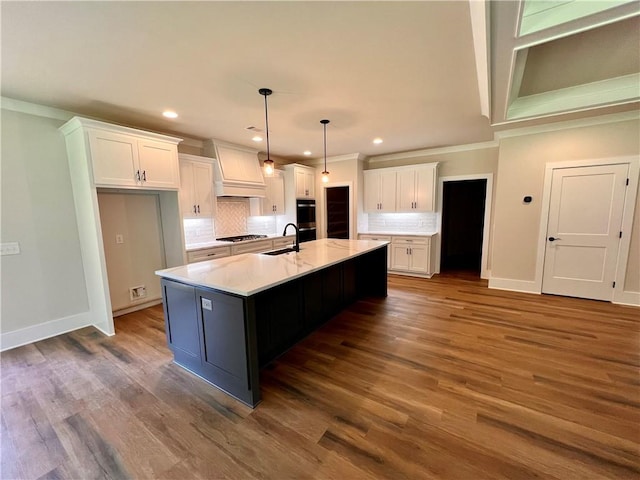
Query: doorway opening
x=463 y=217
x=338 y=217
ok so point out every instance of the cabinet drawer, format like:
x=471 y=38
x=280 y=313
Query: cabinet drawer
x=368 y=236
x=252 y=247
x=410 y=240
x=208 y=254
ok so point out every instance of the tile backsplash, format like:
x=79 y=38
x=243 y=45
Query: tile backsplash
x=231 y=217
x=403 y=222
x=198 y=230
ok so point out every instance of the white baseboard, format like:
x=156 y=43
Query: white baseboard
x=135 y=308
x=34 y=333
x=627 y=298
x=525 y=286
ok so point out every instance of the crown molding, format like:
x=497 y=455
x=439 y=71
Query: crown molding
x=338 y=158
x=568 y=124
x=433 y=151
x=21 y=106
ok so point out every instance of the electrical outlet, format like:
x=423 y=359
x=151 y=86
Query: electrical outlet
x=136 y=293
x=10 y=248
x=119 y=238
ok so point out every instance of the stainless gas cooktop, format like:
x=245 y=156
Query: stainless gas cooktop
x=240 y=238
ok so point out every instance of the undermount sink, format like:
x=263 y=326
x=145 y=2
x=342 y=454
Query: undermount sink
x=279 y=252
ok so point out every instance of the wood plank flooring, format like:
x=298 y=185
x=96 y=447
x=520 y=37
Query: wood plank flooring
x=443 y=379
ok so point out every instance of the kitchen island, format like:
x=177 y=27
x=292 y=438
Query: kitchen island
x=227 y=318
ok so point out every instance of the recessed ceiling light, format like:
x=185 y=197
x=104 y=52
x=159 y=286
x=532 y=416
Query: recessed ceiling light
x=169 y=114
x=307 y=152
x=257 y=138
x=377 y=140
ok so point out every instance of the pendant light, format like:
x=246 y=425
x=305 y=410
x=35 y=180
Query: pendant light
x=268 y=163
x=325 y=174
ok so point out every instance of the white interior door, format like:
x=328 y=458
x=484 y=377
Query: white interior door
x=583 y=231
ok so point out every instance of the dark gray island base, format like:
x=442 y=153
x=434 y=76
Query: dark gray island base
x=226 y=338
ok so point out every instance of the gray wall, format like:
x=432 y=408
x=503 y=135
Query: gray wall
x=46 y=281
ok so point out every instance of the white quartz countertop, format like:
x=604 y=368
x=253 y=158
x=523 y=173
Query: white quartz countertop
x=404 y=234
x=251 y=273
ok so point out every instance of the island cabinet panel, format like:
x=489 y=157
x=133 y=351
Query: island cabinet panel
x=222 y=344
x=212 y=334
x=181 y=322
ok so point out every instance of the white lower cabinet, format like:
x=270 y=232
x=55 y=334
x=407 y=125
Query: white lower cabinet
x=411 y=254
x=252 y=247
x=408 y=255
x=208 y=254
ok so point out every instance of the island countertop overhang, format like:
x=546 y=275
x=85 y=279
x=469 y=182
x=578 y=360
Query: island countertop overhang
x=251 y=273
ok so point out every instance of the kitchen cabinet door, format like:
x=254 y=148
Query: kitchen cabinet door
x=305 y=183
x=380 y=191
x=196 y=188
x=400 y=257
x=158 y=164
x=273 y=202
x=114 y=157
x=425 y=182
x=415 y=189
x=419 y=259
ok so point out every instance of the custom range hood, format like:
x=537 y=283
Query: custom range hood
x=237 y=171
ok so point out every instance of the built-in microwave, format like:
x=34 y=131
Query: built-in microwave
x=306 y=219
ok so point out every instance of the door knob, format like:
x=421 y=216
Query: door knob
x=553 y=239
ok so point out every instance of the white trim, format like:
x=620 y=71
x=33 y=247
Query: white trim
x=484 y=266
x=609 y=92
x=135 y=308
x=35 y=109
x=478 y=10
x=82 y=122
x=49 y=329
x=338 y=158
x=627 y=221
x=525 y=286
x=352 y=230
x=433 y=151
x=566 y=125
x=627 y=298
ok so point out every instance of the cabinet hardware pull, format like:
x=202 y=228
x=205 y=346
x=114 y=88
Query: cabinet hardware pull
x=144 y=175
x=138 y=175
x=194 y=209
x=198 y=208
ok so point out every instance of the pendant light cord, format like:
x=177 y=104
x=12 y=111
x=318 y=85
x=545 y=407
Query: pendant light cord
x=266 y=123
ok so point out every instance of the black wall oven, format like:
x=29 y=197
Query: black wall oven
x=306 y=219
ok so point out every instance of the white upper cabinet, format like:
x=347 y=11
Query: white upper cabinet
x=415 y=189
x=158 y=164
x=380 y=190
x=273 y=202
x=196 y=186
x=400 y=189
x=305 y=183
x=127 y=158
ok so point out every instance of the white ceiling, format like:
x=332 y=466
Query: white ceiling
x=402 y=71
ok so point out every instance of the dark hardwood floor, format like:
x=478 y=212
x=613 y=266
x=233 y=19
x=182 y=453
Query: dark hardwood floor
x=443 y=379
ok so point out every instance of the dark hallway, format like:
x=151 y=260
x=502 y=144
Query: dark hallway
x=337 y=212
x=462 y=225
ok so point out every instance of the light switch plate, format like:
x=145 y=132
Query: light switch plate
x=10 y=248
